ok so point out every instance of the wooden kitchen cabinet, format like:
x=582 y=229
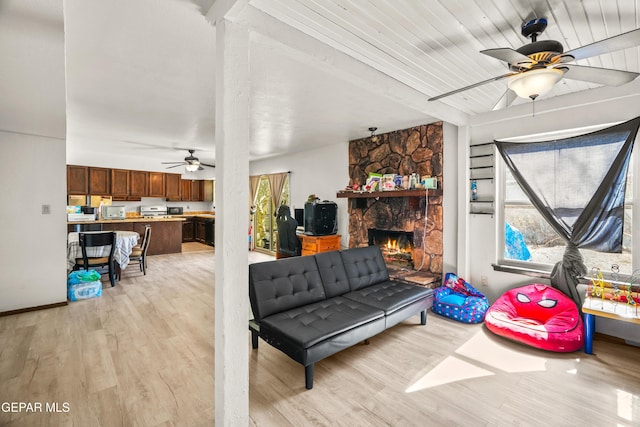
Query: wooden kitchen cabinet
x=120 y=184
x=156 y=184
x=201 y=230
x=139 y=184
x=209 y=191
x=172 y=186
x=197 y=190
x=77 y=180
x=186 y=189
x=192 y=190
x=99 y=181
x=188 y=230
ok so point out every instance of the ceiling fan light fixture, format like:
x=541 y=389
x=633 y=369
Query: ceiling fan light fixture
x=534 y=83
x=192 y=167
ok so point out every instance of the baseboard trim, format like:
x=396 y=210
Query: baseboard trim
x=26 y=310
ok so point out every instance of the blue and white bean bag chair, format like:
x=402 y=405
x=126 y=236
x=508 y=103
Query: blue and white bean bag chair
x=458 y=300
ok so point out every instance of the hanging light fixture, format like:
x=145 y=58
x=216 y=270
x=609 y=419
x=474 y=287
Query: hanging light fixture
x=532 y=84
x=192 y=167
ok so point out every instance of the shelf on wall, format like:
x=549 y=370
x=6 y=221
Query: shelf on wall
x=482 y=213
x=391 y=193
x=482 y=162
x=414 y=196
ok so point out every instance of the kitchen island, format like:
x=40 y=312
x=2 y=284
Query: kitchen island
x=166 y=232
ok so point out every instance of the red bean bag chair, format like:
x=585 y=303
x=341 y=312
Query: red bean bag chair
x=537 y=315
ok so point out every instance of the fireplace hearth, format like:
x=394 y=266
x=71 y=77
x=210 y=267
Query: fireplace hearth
x=396 y=246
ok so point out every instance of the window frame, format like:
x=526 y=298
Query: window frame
x=500 y=184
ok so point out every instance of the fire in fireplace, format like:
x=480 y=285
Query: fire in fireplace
x=396 y=246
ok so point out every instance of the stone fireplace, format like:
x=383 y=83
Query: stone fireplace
x=419 y=218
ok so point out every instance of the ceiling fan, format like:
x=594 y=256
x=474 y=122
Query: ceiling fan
x=536 y=67
x=190 y=162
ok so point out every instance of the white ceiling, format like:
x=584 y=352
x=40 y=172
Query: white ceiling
x=140 y=74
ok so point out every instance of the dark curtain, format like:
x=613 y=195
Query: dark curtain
x=578 y=185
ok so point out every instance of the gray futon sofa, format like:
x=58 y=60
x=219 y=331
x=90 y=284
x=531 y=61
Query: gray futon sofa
x=314 y=306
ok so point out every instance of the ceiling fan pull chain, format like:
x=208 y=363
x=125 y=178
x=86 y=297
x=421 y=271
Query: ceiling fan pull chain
x=533 y=105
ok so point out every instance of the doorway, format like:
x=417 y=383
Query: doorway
x=264 y=224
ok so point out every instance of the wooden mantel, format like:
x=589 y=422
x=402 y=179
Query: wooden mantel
x=391 y=193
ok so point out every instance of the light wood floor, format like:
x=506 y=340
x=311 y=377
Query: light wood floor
x=142 y=355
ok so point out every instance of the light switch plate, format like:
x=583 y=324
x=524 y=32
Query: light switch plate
x=46 y=209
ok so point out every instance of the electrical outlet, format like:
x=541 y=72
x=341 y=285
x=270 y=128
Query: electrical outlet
x=46 y=209
x=484 y=281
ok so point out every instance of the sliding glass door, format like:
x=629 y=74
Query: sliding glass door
x=264 y=223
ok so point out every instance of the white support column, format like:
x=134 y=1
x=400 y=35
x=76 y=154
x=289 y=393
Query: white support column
x=232 y=219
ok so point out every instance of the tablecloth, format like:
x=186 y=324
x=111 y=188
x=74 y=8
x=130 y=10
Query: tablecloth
x=125 y=241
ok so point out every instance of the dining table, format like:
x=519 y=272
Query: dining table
x=125 y=241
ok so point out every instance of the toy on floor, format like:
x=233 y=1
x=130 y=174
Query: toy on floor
x=537 y=315
x=458 y=300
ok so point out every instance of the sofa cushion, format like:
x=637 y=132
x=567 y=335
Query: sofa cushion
x=332 y=272
x=364 y=266
x=389 y=296
x=308 y=325
x=281 y=285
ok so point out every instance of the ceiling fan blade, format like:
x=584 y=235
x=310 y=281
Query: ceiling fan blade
x=611 y=44
x=507 y=55
x=493 y=79
x=175 y=166
x=171 y=163
x=603 y=76
x=206 y=164
x=200 y=168
x=505 y=100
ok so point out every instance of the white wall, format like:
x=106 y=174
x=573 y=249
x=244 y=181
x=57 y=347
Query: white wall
x=450 y=198
x=567 y=112
x=322 y=171
x=34 y=263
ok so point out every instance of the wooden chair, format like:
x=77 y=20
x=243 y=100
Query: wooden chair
x=90 y=240
x=140 y=253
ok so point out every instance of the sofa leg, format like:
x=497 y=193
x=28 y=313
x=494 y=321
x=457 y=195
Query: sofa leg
x=423 y=317
x=308 y=377
x=254 y=339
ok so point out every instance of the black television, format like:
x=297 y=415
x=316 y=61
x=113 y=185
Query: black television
x=320 y=218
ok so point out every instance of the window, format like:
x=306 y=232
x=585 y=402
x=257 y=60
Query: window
x=264 y=227
x=527 y=240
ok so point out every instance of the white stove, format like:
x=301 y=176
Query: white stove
x=155 y=211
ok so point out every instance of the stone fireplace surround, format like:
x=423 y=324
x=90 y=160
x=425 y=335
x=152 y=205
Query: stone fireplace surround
x=417 y=149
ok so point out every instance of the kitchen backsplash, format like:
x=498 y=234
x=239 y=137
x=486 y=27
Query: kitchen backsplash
x=132 y=207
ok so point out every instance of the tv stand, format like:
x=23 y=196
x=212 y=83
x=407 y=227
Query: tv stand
x=312 y=245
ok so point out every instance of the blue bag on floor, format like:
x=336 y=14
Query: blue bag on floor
x=83 y=284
